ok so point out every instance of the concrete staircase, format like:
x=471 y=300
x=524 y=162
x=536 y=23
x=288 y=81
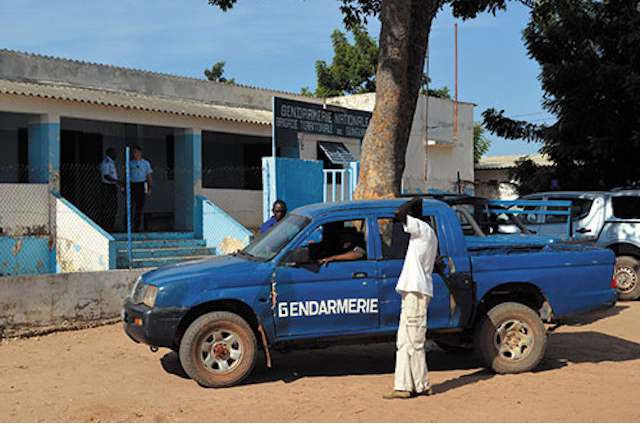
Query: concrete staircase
x=152 y=250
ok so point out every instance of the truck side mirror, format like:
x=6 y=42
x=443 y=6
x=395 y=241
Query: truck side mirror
x=298 y=256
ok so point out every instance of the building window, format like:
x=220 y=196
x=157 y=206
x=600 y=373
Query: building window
x=233 y=160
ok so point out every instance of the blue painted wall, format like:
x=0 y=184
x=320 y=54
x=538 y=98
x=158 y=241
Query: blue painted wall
x=26 y=255
x=297 y=182
x=187 y=179
x=44 y=154
x=214 y=226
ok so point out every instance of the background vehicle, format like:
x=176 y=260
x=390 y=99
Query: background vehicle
x=611 y=219
x=496 y=296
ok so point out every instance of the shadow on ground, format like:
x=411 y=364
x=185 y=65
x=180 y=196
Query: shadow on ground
x=586 y=347
x=375 y=359
x=591 y=317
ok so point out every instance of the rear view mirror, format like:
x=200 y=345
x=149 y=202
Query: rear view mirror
x=298 y=256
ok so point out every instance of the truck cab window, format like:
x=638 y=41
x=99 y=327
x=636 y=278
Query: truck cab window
x=338 y=237
x=394 y=240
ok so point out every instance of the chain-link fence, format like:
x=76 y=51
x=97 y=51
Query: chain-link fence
x=25 y=222
x=238 y=191
x=71 y=230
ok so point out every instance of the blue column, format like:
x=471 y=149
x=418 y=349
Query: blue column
x=187 y=178
x=44 y=153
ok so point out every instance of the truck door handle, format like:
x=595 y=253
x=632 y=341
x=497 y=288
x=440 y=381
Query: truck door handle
x=359 y=275
x=583 y=230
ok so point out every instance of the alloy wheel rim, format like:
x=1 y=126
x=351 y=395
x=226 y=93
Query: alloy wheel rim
x=221 y=351
x=625 y=279
x=514 y=340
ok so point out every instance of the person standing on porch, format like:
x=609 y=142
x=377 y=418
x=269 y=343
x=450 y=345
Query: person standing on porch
x=140 y=173
x=109 y=190
x=415 y=287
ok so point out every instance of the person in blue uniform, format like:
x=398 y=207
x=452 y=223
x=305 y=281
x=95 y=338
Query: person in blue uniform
x=140 y=173
x=279 y=210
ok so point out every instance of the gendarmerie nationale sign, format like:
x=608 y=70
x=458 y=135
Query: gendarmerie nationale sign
x=314 y=118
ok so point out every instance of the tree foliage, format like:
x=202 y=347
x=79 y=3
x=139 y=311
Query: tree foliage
x=481 y=143
x=216 y=73
x=353 y=67
x=588 y=51
x=532 y=177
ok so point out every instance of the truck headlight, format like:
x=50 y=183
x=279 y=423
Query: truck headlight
x=149 y=298
x=136 y=285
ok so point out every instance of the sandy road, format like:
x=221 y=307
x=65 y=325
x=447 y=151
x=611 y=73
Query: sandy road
x=591 y=372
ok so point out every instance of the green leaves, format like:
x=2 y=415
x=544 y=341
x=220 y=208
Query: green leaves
x=481 y=143
x=589 y=55
x=216 y=73
x=353 y=67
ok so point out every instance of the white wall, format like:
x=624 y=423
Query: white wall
x=24 y=209
x=434 y=167
x=80 y=246
x=439 y=162
x=245 y=206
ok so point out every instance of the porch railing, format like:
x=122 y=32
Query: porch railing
x=339 y=184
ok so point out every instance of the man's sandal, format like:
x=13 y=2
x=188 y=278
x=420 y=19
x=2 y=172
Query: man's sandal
x=428 y=392
x=398 y=394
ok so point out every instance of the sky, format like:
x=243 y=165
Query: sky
x=274 y=44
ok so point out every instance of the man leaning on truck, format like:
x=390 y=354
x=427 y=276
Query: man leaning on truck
x=415 y=287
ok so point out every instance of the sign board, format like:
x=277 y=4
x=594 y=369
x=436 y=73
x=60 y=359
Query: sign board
x=291 y=117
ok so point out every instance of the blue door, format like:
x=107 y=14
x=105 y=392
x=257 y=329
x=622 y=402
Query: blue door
x=341 y=297
x=392 y=244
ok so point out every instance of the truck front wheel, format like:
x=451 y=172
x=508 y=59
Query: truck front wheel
x=510 y=338
x=627 y=277
x=218 y=349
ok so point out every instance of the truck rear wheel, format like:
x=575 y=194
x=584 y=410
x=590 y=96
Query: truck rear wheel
x=627 y=277
x=510 y=338
x=218 y=350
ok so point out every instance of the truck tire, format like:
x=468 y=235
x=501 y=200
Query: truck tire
x=627 y=277
x=218 y=350
x=510 y=338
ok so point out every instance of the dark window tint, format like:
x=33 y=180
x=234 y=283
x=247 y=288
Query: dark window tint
x=394 y=240
x=233 y=160
x=580 y=208
x=336 y=238
x=626 y=207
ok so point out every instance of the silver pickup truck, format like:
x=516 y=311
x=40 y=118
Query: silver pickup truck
x=610 y=218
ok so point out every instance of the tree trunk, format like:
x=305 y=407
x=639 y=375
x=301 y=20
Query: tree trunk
x=405 y=25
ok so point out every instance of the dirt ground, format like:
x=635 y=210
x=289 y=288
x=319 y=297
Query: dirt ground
x=591 y=372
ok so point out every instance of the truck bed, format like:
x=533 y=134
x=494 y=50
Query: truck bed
x=574 y=277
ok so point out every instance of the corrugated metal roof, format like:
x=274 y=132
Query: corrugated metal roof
x=130 y=100
x=508 y=161
x=141 y=71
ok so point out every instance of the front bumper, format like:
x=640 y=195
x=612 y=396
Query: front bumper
x=152 y=326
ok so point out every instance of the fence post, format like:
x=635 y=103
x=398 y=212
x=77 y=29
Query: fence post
x=129 y=208
x=325 y=185
x=354 y=178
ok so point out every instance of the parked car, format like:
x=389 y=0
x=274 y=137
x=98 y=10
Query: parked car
x=217 y=313
x=609 y=218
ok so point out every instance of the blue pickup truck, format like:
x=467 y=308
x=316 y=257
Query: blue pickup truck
x=218 y=313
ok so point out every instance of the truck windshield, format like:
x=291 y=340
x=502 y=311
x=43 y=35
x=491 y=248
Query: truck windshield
x=267 y=245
